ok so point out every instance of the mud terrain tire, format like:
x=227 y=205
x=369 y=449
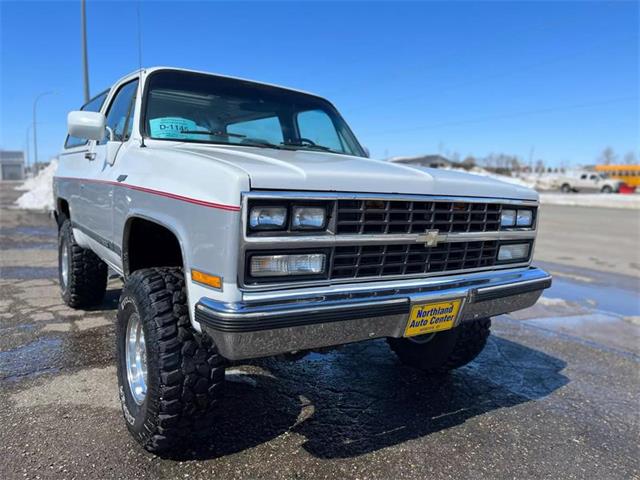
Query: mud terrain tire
x=184 y=371
x=85 y=282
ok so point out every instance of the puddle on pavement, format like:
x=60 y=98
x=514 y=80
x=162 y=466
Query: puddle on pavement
x=28 y=237
x=26 y=245
x=610 y=299
x=30 y=230
x=29 y=273
x=37 y=357
x=606 y=330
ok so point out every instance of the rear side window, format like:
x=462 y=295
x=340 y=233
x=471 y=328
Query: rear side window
x=93 y=105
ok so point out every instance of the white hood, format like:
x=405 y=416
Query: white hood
x=305 y=170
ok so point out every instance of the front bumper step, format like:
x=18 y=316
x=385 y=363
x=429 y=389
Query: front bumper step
x=268 y=327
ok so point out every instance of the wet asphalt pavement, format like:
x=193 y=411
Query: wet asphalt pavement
x=555 y=394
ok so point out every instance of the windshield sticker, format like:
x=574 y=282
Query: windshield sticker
x=174 y=127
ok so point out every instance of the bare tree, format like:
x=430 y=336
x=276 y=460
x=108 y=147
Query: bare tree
x=608 y=156
x=469 y=162
x=631 y=158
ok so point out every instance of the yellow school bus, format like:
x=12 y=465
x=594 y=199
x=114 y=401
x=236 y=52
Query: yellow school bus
x=629 y=174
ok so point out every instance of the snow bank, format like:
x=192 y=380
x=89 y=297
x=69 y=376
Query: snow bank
x=535 y=181
x=503 y=178
x=630 y=201
x=38 y=190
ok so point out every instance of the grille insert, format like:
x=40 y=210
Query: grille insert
x=384 y=260
x=394 y=216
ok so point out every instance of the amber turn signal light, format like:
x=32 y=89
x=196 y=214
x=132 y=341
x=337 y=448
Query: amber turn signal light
x=206 y=279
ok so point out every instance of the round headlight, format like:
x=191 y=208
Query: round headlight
x=267 y=218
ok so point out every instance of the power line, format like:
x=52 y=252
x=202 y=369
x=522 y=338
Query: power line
x=450 y=86
x=506 y=116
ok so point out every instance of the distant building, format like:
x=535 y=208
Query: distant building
x=431 y=161
x=11 y=165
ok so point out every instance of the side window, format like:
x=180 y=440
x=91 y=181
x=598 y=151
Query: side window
x=583 y=176
x=93 y=105
x=593 y=177
x=120 y=113
x=268 y=129
x=315 y=125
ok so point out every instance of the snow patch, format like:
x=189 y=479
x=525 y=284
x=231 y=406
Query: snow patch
x=630 y=201
x=552 y=302
x=38 y=190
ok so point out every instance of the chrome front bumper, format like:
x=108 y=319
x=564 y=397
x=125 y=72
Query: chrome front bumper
x=270 y=324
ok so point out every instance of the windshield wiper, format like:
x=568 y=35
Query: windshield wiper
x=248 y=142
x=215 y=134
x=307 y=145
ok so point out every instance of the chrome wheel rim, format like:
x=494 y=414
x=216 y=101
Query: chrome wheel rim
x=136 y=358
x=64 y=263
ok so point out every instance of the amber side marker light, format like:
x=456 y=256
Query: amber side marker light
x=206 y=279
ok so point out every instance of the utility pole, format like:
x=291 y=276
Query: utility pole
x=35 y=134
x=85 y=60
x=26 y=153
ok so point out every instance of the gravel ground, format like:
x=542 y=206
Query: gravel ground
x=555 y=393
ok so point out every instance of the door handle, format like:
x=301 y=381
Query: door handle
x=90 y=156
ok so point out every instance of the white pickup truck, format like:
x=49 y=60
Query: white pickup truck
x=247 y=221
x=588 y=181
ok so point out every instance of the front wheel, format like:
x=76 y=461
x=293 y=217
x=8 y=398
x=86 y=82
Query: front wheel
x=170 y=377
x=441 y=352
x=565 y=188
x=606 y=189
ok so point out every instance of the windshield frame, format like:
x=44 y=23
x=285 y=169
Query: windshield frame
x=360 y=151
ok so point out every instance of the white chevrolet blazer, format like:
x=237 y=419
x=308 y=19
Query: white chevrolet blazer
x=247 y=221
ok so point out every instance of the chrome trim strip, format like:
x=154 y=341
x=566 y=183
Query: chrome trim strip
x=387 y=278
x=244 y=311
x=383 y=196
x=362 y=289
x=368 y=239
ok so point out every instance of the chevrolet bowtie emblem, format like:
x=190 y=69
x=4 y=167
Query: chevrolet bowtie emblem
x=429 y=238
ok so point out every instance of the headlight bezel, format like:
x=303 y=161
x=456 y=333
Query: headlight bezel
x=515 y=223
x=289 y=228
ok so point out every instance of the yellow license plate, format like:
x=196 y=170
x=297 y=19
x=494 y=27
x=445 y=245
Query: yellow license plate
x=432 y=317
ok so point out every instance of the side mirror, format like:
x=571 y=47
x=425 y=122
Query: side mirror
x=367 y=153
x=87 y=125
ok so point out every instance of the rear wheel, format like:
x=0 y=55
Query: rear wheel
x=606 y=189
x=565 y=188
x=170 y=377
x=81 y=273
x=443 y=351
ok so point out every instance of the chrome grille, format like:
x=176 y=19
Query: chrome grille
x=394 y=216
x=383 y=260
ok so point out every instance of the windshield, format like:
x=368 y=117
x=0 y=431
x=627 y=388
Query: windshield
x=195 y=107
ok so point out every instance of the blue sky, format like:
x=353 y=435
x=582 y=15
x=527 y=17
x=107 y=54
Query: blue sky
x=410 y=78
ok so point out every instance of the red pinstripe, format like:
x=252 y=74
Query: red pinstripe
x=195 y=201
